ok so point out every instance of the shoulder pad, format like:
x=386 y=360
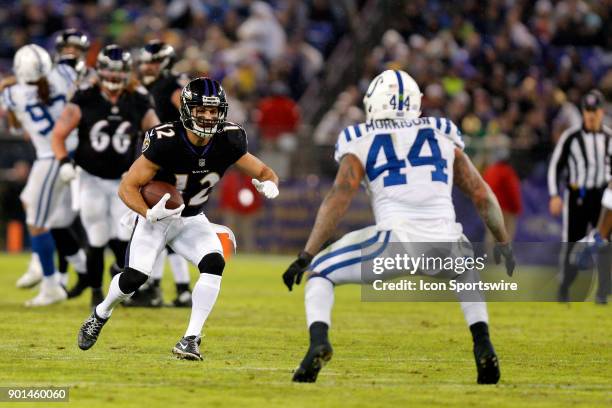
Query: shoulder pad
x=346 y=140
x=229 y=126
x=351 y=133
x=7 y=97
x=66 y=72
x=449 y=129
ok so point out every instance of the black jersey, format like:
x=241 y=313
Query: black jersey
x=194 y=170
x=107 y=132
x=161 y=90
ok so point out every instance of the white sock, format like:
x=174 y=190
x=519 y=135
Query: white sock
x=319 y=300
x=48 y=282
x=204 y=296
x=34 y=262
x=158 y=266
x=114 y=297
x=61 y=278
x=179 y=267
x=475 y=312
x=78 y=261
x=473 y=302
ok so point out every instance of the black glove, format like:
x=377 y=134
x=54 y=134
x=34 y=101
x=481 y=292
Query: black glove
x=294 y=273
x=505 y=251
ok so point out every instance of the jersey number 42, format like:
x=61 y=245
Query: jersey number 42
x=393 y=165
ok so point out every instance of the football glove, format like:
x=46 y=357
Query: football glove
x=160 y=212
x=505 y=251
x=267 y=188
x=294 y=273
x=67 y=170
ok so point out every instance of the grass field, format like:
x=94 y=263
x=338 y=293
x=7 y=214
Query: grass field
x=386 y=354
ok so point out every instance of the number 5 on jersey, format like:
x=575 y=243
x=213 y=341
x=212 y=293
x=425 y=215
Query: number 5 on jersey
x=394 y=165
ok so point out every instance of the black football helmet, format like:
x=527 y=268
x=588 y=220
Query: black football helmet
x=208 y=93
x=65 y=44
x=155 y=51
x=113 y=66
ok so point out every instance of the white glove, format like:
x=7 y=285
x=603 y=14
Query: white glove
x=67 y=171
x=267 y=188
x=160 y=212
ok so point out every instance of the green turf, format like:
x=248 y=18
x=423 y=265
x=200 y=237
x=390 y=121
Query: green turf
x=386 y=354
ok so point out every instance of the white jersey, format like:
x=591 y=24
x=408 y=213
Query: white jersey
x=36 y=118
x=408 y=166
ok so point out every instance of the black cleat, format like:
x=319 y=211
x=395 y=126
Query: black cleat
x=150 y=296
x=183 y=299
x=188 y=348
x=563 y=296
x=316 y=357
x=90 y=330
x=79 y=286
x=486 y=363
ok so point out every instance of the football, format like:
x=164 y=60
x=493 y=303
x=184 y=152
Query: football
x=153 y=191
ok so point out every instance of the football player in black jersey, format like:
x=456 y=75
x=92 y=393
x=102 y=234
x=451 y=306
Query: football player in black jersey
x=108 y=116
x=154 y=66
x=71 y=45
x=192 y=154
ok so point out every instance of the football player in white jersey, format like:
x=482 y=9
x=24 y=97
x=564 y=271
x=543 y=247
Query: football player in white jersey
x=71 y=45
x=407 y=164
x=35 y=101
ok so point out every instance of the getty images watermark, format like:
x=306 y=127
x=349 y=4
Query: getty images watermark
x=444 y=272
x=404 y=264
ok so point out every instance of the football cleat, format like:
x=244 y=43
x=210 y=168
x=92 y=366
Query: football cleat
x=31 y=277
x=486 y=362
x=563 y=296
x=316 y=357
x=150 y=296
x=90 y=330
x=79 y=286
x=50 y=292
x=183 y=299
x=62 y=279
x=188 y=348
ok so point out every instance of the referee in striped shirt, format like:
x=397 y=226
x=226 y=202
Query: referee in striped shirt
x=580 y=161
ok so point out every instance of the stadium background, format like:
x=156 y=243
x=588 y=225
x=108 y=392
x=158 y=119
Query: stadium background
x=509 y=73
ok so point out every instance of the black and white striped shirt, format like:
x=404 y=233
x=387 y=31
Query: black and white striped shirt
x=583 y=157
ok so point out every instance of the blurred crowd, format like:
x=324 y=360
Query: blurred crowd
x=509 y=73
x=511 y=70
x=264 y=52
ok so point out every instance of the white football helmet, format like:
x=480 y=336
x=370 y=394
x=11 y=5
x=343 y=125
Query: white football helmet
x=31 y=63
x=393 y=94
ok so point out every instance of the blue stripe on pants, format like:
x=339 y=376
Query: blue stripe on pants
x=42 y=196
x=360 y=259
x=344 y=250
x=43 y=221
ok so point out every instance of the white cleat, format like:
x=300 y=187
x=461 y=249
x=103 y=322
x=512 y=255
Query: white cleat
x=32 y=277
x=50 y=292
